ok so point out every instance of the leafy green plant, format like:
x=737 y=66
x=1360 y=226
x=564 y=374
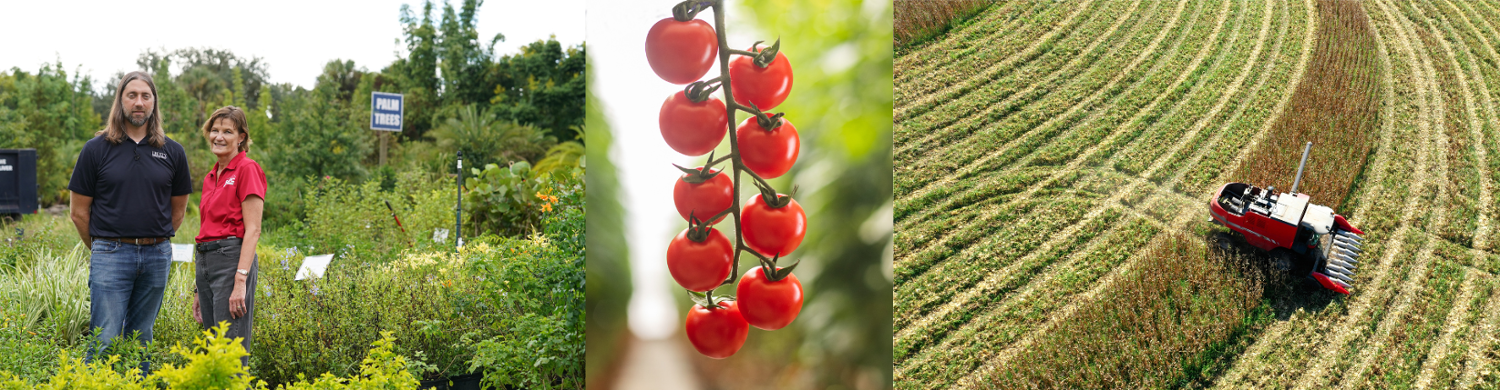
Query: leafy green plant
x=51 y=292
x=506 y=200
x=539 y=353
x=486 y=140
x=213 y=364
x=29 y=356
x=561 y=157
x=73 y=373
x=543 y=346
x=381 y=369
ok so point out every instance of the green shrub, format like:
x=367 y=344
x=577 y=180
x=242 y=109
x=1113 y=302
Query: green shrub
x=381 y=369
x=73 y=374
x=316 y=326
x=28 y=355
x=214 y=363
x=352 y=221
x=505 y=200
x=544 y=347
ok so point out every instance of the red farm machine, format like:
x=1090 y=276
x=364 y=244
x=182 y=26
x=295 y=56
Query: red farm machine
x=1303 y=238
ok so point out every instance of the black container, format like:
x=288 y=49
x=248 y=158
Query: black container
x=18 y=181
x=466 y=382
x=435 y=384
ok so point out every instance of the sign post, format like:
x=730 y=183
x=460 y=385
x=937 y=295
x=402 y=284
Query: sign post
x=385 y=115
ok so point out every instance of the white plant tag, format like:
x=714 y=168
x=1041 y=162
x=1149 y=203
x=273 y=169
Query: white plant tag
x=182 y=253
x=313 y=266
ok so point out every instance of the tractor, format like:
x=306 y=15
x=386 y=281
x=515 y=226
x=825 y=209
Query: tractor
x=1302 y=238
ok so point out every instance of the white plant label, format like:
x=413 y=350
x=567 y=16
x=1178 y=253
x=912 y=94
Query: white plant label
x=182 y=253
x=313 y=266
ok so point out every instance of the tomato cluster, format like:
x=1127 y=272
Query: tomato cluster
x=768 y=225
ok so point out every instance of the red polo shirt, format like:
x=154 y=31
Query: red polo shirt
x=220 y=208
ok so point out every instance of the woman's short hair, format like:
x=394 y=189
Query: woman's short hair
x=233 y=114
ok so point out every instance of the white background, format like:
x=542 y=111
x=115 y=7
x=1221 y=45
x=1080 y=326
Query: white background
x=296 y=38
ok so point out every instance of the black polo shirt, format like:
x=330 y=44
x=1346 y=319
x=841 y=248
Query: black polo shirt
x=132 y=185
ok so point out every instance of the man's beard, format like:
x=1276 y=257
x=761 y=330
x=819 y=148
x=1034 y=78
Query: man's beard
x=140 y=122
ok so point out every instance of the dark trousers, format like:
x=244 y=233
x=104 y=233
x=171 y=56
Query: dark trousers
x=215 y=279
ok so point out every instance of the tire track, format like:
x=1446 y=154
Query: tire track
x=1197 y=61
x=1145 y=54
x=924 y=62
x=1457 y=316
x=1218 y=136
x=956 y=40
x=1079 y=161
x=1481 y=237
x=1429 y=155
x=1476 y=358
x=994 y=279
x=952 y=91
x=1052 y=77
x=1203 y=121
x=1484 y=336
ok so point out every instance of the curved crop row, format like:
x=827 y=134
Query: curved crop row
x=1133 y=81
x=1008 y=94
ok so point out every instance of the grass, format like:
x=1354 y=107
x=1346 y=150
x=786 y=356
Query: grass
x=919 y=21
x=1185 y=296
x=1122 y=113
x=1335 y=107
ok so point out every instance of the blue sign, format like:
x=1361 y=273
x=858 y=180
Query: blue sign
x=385 y=111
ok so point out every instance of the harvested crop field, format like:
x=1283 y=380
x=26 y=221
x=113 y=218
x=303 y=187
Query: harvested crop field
x=1054 y=161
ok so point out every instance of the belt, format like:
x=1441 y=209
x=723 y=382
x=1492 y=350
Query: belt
x=216 y=244
x=137 y=241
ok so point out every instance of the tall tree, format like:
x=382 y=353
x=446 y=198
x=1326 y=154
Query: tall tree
x=462 y=59
x=543 y=86
x=315 y=133
x=52 y=114
x=417 y=72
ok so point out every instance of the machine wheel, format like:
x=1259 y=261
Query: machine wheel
x=1281 y=260
x=1225 y=240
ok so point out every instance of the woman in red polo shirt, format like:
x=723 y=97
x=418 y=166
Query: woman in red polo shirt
x=233 y=198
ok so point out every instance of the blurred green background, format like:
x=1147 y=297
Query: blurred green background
x=841 y=103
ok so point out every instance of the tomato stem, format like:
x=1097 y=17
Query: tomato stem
x=741 y=52
x=738 y=165
x=713 y=162
x=734 y=147
x=689 y=9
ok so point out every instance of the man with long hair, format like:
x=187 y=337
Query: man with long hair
x=129 y=194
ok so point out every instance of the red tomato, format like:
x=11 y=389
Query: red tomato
x=766 y=304
x=765 y=87
x=692 y=128
x=773 y=231
x=770 y=153
x=703 y=200
x=700 y=265
x=681 y=52
x=718 y=332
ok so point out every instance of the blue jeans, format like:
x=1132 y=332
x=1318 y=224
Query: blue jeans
x=126 y=284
